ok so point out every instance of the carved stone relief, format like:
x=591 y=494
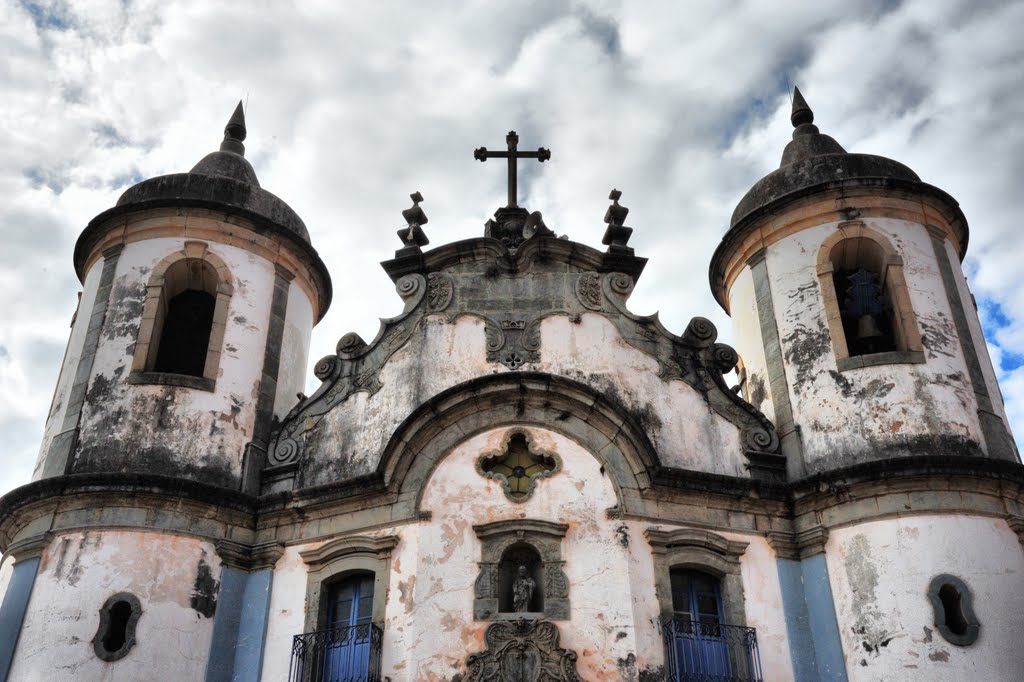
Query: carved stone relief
x=512 y=292
x=522 y=651
x=503 y=544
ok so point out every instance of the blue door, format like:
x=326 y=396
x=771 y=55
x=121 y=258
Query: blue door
x=698 y=643
x=347 y=644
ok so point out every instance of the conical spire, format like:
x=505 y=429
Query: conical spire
x=801 y=112
x=234 y=132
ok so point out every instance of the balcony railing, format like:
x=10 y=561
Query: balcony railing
x=702 y=652
x=349 y=654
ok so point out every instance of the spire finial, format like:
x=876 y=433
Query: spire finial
x=234 y=132
x=801 y=112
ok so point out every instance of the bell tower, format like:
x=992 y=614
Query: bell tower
x=201 y=290
x=853 y=319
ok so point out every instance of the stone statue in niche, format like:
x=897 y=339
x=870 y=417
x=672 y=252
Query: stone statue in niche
x=522 y=590
x=503 y=590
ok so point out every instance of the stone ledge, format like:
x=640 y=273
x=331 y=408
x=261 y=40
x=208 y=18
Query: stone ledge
x=900 y=357
x=169 y=379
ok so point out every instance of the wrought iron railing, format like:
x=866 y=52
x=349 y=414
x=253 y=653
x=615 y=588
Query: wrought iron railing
x=703 y=652
x=349 y=654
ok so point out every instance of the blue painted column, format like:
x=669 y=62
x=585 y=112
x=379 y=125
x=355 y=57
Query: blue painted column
x=243 y=611
x=812 y=628
x=19 y=591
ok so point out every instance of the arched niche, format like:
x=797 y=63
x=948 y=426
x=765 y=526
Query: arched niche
x=504 y=545
x=564 y=406
x=194 y=270
x=857 y=247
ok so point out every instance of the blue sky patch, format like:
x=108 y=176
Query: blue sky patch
x=46 y=17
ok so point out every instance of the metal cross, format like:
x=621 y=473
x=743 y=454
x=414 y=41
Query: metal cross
x=513 y=155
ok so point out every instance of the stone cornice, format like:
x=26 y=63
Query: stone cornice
x=795 y=517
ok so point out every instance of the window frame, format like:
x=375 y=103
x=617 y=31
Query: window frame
x=704 y=551
x=893 y=283
x=340 y=559
x=153 y=311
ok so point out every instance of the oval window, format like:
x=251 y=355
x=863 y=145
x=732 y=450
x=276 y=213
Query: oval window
x=116 y=634
x=954 y=614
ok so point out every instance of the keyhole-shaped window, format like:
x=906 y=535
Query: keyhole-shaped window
x=518 y=465
x=115 y=636
x=954 y=612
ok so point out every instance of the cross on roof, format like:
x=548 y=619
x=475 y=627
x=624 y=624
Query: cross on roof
x=513 y=155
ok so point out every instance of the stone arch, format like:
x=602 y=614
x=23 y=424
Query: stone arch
x=166 y=279
x=856 y=243
x=562 y=405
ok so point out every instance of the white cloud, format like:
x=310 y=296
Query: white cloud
x=353 y=106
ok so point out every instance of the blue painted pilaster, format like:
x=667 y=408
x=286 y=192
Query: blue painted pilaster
x=13 y=609
x=252 y=632
x=243 y=612
x=226 y=620
x=811 y=625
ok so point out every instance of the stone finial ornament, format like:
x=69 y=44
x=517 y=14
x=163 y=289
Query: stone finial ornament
x=616 y=236
x=234 y=132
x=801 y=112
x=412 y=235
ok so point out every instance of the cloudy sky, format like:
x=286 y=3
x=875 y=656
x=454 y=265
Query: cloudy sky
x=352 y=106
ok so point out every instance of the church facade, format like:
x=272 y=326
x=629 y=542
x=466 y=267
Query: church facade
x=519 y=479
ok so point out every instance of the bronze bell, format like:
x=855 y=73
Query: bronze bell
x=867 y=328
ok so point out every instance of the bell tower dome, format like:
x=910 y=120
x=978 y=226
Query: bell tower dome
x=201 y=290
x=853 y=318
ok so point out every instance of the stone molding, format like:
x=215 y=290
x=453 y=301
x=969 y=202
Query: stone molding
x=343 y=557
x=118 y=227
x=129 y=632
x=340 y=548
x=865 y=492
x=798 y=546
x=965 y=603
x=699 y=549
x=29 y=548
x=836 y=202
x=249 y=557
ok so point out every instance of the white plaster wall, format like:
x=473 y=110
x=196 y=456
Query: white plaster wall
x=762 y=596
x=298 y=328
x=79 y=572
x=287 y=612
x=746 y=326
x=686 y=432
x=192 y=428
x=72 y=355
x=880 y=573
x=429 y=627
x=893 y=403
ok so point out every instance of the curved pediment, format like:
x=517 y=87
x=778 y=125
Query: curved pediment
x=516 y=296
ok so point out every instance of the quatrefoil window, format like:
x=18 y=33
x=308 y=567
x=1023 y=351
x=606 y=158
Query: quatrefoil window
x=518 y=465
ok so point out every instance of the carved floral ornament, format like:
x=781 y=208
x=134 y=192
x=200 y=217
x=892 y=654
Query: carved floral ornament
x=518 y=465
